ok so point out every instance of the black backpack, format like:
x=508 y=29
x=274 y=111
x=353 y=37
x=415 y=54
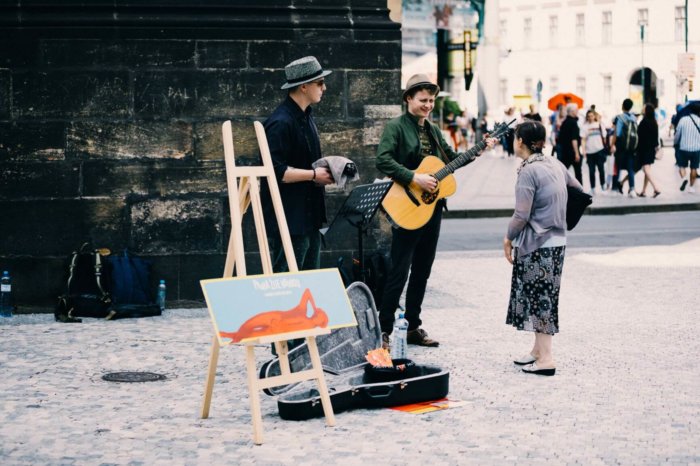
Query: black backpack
x=628 y=138
x=87 y=288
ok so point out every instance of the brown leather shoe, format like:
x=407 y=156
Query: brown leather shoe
x=420 y=337
x=385 y=341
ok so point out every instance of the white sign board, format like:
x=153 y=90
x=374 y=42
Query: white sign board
x=686 y=65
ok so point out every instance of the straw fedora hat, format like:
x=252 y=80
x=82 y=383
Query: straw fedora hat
x=420 y=80
x=302 y=71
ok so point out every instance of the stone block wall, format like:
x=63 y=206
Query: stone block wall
x=110 y=123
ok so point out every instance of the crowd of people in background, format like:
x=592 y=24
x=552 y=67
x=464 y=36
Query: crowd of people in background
x=614 y=149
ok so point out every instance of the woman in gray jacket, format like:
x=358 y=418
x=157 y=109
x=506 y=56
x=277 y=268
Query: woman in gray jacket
x=535 y=245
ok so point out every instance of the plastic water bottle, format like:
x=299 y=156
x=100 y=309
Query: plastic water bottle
x=5 y=295
x=399 y=345
x=161 y=295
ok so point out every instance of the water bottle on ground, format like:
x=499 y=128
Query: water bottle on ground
x=399 y=345
x=161 y=295
x=5 y=295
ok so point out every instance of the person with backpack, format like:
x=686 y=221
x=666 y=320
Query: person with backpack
x=687 y=139
x=623 y=145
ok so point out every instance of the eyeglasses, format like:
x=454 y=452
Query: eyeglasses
x=320 y=82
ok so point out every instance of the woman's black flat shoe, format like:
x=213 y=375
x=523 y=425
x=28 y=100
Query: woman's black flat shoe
x=656 y=193
x=533 y=369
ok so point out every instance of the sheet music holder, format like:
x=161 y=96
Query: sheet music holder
x=357 y=212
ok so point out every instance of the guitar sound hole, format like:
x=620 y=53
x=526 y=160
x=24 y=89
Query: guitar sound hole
x=429 y=198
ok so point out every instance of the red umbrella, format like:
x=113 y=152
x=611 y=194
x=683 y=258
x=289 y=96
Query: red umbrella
x=564 y=98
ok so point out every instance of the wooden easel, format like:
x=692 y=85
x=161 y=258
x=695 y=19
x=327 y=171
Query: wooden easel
x=240 y=198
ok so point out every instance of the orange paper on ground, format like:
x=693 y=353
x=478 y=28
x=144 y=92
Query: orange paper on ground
x=429 y=406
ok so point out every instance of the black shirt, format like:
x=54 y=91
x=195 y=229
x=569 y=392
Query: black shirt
x=569 y=132
x=293 y=139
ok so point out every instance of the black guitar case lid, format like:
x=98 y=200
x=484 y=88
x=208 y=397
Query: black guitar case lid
x=349 y=382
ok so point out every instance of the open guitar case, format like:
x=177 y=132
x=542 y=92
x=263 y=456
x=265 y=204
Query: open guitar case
x=352 y=381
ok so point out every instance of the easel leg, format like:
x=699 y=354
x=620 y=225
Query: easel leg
x=322 y=387
x=254 y=395
x=283 y=356
x=211 y=375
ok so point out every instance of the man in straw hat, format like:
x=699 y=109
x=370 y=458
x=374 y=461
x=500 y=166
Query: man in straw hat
x=406 y=140
x=294 y=146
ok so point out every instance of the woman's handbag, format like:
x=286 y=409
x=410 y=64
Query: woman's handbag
x=575 y=206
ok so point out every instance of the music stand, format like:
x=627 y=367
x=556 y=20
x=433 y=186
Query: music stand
x=357 y=210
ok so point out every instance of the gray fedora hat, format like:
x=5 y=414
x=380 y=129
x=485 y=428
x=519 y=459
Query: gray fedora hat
x=303 y=71
x=420 y=80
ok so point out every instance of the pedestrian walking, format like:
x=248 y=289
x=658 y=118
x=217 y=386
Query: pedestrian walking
x=535 y=244
x=593 y=145
x=555 y=120
x=570 y=141
x=624 y=146
x=688 y=140
x=648 y=148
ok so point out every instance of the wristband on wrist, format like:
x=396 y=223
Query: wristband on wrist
x=313 y=177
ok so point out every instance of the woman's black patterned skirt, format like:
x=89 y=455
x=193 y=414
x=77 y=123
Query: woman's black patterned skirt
x=534 y=291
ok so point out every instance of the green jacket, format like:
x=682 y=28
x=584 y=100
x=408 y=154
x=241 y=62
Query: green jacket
x=400 y=147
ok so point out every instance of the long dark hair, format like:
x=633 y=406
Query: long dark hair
x=533 y=135
x=648 y=112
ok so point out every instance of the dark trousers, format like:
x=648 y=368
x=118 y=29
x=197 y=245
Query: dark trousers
x=412 y=250
x=569 y=161
x=307 y=252
x=594 y=160
x=624 y=161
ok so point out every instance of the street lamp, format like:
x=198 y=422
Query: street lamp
x=642 y=21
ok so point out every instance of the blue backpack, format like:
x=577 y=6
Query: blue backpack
x=130 y=277
x=132 y=291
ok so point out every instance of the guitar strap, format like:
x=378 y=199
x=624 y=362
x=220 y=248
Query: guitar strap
x=441 y=151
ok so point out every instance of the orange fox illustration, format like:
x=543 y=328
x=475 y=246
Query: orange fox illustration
x=274 y=322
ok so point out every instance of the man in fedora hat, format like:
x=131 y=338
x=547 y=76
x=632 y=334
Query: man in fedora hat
x=294 y=146
x=406 y=140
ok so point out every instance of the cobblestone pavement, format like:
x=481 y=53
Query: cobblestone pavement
x=625 y=392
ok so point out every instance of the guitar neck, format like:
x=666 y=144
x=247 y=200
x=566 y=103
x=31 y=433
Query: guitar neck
x=460 y=161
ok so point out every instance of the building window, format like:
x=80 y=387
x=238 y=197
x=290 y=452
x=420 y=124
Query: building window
x=580 y=29
x=643 y=21
x=553 y=30
x=503 y=28
x=503 y=91
x=527 y=32
x=680 y=23
x=528 y=86
x=607 y=89
x=607 y=27
x=553 y=85
x=581 y=86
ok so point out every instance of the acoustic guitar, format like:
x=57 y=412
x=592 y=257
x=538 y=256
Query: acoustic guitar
x=410 y=207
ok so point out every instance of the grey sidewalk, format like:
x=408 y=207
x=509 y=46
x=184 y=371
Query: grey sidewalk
x=626 y=389
x=485 y=188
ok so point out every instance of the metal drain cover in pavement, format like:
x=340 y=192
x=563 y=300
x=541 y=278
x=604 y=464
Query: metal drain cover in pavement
x=133 y=377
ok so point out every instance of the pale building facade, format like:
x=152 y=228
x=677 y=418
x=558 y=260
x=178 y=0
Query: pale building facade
x=593 y=48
